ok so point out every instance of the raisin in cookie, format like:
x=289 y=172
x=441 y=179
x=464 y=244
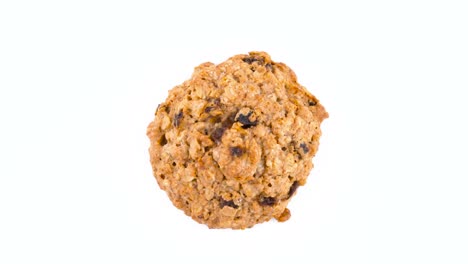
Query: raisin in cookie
x=231 y=145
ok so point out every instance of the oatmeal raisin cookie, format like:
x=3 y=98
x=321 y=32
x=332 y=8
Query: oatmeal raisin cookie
x=231 y=145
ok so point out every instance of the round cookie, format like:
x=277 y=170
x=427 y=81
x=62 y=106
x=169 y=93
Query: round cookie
x=231 y=145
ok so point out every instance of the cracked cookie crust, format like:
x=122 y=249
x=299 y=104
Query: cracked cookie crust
x=231 y=145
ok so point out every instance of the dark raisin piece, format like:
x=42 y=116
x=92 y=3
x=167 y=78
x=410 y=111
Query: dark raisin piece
x=163 y=140
x=208 y=109
x=267 y=201
x=166 y=108
x=229 y=203
x=245 y=120
x=293 y=189
x=269 y=66
x=304 y=147
x=251 y=60
x=236 y=151
x=217 y=134
x=177 y=118
x=312 y=103
x=227 y=123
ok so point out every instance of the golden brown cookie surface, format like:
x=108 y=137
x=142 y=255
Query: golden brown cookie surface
x=231 y=145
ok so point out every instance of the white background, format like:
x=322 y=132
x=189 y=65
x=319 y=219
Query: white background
x=80 y=81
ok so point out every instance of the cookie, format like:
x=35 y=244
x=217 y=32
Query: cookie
x=231 y=145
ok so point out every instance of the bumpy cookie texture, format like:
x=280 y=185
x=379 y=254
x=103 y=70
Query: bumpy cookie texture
x=232 y=145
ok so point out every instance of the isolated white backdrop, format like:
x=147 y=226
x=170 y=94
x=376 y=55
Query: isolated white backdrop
x=80 y=81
